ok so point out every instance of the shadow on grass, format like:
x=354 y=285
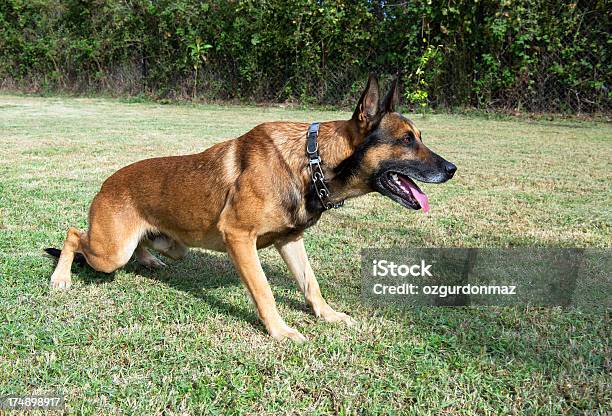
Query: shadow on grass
x=198 y=275
x=501 y=334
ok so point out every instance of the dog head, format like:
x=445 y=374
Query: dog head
x=392 y=156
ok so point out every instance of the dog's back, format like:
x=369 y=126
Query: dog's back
x=257 y=190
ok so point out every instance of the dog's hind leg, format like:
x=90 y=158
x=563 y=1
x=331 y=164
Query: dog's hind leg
x=147 y=259
x=294 y=254
x=114 y=233
x=60 y=279
x=167 y=246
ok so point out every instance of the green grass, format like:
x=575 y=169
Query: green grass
x=185 y=340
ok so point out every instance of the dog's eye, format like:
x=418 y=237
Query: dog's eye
x=409 y=138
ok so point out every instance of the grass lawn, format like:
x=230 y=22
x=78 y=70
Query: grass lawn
x=185 y=340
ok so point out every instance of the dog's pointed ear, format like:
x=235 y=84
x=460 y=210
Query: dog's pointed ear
x=391 y=100
x=367 y=107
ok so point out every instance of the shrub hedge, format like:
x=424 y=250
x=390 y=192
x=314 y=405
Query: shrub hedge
x=533 y=55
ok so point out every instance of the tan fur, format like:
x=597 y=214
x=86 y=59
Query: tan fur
x=209 y=200
x=237 y=196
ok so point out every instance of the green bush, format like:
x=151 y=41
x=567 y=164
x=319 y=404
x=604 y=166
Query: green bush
x=527 y=54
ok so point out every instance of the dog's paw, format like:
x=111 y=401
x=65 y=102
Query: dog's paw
x=60 y=282
x=331 y=315
x=287 y=332
x=152 y=262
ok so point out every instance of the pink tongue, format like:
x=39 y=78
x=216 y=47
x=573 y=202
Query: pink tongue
x=417 y=193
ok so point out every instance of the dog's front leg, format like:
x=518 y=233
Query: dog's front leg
x=243 y=251
x=294 y=254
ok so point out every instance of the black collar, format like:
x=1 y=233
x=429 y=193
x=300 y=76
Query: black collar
x=314 y=165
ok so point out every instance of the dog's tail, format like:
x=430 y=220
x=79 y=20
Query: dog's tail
x=78 y=257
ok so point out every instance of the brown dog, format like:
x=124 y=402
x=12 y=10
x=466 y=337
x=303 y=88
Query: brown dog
x=259 y=189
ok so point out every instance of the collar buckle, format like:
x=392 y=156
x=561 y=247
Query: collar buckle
x=314 y=161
